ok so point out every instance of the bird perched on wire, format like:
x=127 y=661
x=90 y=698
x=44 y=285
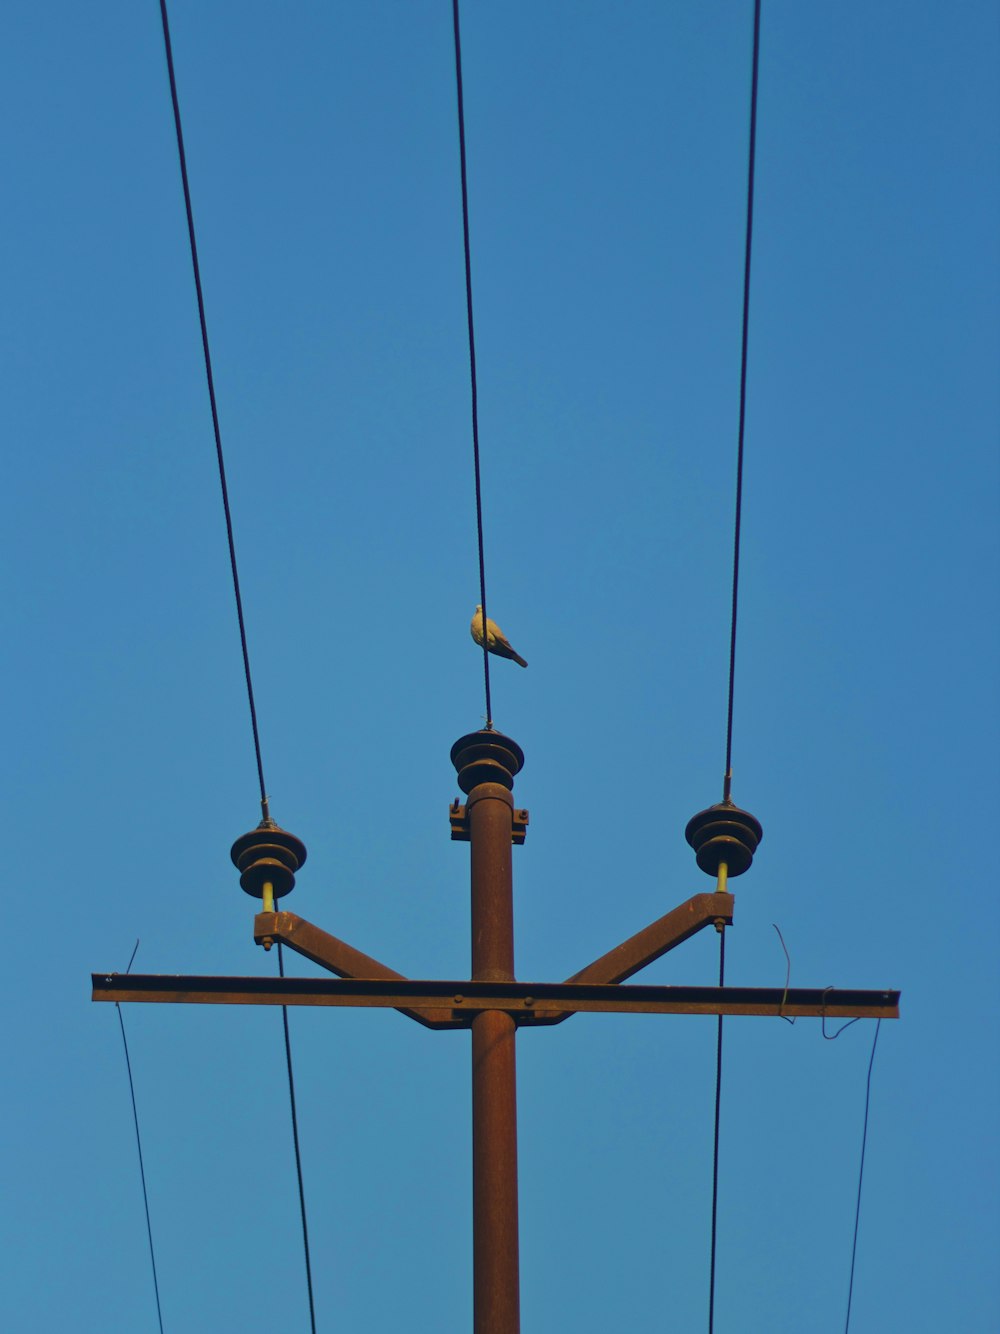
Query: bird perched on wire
x=496 y=640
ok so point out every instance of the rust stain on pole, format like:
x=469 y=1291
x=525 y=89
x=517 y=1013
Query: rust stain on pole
x=486 y=763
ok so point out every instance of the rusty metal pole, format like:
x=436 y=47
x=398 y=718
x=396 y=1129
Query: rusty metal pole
x=486 y=763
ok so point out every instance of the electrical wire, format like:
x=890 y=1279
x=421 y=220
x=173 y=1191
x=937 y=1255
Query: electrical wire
x=715 y=1148
x=138 y=1145
x=737 y=527
x=298 y=1156
x=472 y=355
x=182 y=157
x=788 y=977
x=727 y=781
x=831 y=1037
x=861 y=1174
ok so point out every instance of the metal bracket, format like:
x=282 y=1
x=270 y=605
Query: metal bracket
x=458 y=816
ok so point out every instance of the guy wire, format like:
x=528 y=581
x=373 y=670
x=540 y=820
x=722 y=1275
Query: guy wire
x=472 y=354
x=211 y=395
x=727 y=782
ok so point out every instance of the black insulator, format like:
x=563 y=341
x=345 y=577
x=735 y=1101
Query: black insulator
x=268 y=854
x=724 y=833
x=486 y=757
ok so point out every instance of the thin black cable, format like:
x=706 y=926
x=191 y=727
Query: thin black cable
x=727 y=782
x=211 y=394
x=861 y=1174
x=239 y=606
x=138 y=1145
x=472 y=354
x=831 y=1037
x=715 y=1149
x=298 y=1155
x=788 y=976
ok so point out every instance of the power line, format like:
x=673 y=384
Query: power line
x=727 y=782
x=138 y=1145
x=861 y=1174
x=211 y=395
x=715 y=1149
x=472 y=354
x=298 y=1156
x=239 y=604
x=737 y=526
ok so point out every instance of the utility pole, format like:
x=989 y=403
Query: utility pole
x=491 y=1003
x=486 y=769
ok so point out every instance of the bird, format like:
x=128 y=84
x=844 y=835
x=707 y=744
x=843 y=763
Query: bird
x=496 y=640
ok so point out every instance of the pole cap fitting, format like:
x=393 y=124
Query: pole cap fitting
x=268 y=854
x=724 y=833
x=486 y=757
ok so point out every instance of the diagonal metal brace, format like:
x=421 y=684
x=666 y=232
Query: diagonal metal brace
x=338 y=957
x=656 y=939
x=666 y=933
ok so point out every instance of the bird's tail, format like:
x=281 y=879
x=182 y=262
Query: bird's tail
x=518 y=659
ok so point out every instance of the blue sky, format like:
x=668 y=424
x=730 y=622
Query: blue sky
x=607 y=160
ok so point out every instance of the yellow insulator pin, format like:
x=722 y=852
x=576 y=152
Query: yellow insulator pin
x=720 y=924
x=268 y=897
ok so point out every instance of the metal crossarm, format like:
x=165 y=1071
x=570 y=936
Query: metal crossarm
x=528 y=1002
